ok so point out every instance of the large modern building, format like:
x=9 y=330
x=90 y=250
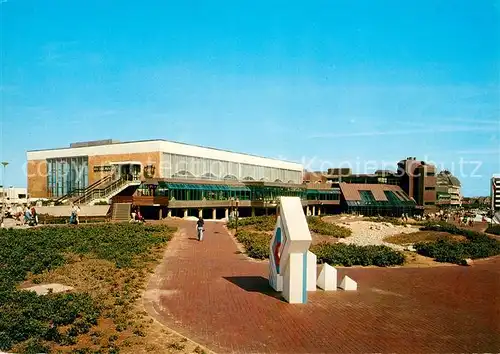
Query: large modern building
x=169 y=178
x=416 y=179
x=495 y=193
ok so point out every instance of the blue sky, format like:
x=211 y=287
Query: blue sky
x=327 y=83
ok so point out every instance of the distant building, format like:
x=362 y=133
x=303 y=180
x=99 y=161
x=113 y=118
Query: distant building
x=448 y=192
x=13 y=195
x=495 y=193
x=376 y=199
x=418 y=180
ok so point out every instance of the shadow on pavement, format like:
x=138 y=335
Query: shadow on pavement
x=255 y=284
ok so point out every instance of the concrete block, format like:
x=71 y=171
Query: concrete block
x=327 y=279
x=311 y=271
x=295 y=279
x=348 y=284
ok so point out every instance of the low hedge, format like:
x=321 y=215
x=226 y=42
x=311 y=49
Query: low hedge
x=261 y=223
x=493 y=229
x=477 y=245
x=325 y=228
x=257 y=246
x=341 y=254
x=256 y=243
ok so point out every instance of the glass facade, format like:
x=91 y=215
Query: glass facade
x=181 y=166
x=64 y=175
x=186 y=191
x=396 y=204
x=333 y=194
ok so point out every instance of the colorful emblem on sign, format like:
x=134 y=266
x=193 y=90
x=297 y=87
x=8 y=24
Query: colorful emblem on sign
x=276 y=249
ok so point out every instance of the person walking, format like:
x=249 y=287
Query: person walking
x=199 y=228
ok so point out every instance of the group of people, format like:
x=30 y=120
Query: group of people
x=136 y=215
x=24 y=215
x=462 y=218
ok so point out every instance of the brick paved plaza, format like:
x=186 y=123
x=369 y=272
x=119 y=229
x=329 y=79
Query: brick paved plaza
x=210 y=293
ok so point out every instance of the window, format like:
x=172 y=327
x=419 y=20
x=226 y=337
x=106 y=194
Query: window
x=367 y=197
x=430 y=174
x=430 y=188
x=429 y=203
x=65 y=175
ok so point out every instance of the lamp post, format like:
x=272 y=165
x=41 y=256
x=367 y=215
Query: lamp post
x=4 y=163
x=237 y=203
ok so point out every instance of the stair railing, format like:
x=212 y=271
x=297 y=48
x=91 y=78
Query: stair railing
x=104 y=192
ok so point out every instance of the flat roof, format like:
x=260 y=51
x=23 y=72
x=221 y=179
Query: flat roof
x=51 y=153
x=114 y=142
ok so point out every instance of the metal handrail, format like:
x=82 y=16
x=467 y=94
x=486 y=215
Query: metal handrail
x=103 y=192
x=83 y=191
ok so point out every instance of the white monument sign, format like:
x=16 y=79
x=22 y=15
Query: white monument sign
x=289 y=251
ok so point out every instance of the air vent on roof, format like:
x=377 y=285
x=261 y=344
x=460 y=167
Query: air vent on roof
x=93 y=143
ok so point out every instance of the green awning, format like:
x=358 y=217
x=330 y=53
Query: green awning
x=323 y=191
x=204 y=187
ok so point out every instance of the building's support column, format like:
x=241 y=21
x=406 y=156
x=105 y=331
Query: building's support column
x=308 y=211
x=169 y=213
x=314 y=210
x=319 y=211
x=200 y=213
x=226 y=213
x=160 y=214
x=214 y=214
x=253 y=211
x=185 y=213
x=266 y=211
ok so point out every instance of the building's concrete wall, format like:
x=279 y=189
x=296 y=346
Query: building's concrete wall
x=65 y=210
x=37 y=178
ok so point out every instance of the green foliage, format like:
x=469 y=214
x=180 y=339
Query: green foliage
x=267 y=223
x=261 y=223
x=493 y=229
x=31 y=319
x=478 y=245
x=349 y=255
x=256 y=244
x=325 y=228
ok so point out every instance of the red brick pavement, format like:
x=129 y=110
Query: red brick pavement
x=217 y=297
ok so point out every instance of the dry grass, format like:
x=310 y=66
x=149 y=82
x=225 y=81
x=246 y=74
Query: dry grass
x=422 y=236
x=124 y=325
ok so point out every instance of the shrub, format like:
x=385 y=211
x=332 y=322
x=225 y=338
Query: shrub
x=477 y=245
x=325 y=228
x=256 y=244
x=261 y=223
x=33 y=321
x=493 y=229
x=349 y=255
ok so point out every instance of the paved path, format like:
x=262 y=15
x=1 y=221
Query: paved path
x=215 y=296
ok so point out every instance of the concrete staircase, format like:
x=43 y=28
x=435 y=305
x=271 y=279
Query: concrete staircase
x=121 y=212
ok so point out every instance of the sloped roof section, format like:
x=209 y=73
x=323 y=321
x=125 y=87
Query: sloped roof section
x=351 y=191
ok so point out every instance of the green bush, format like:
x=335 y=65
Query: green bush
x=33 y=321
x=261 y=223
x=325 y=228
x=348 y=255
x=493 y=229
x=477 y=245
x=256 y=244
